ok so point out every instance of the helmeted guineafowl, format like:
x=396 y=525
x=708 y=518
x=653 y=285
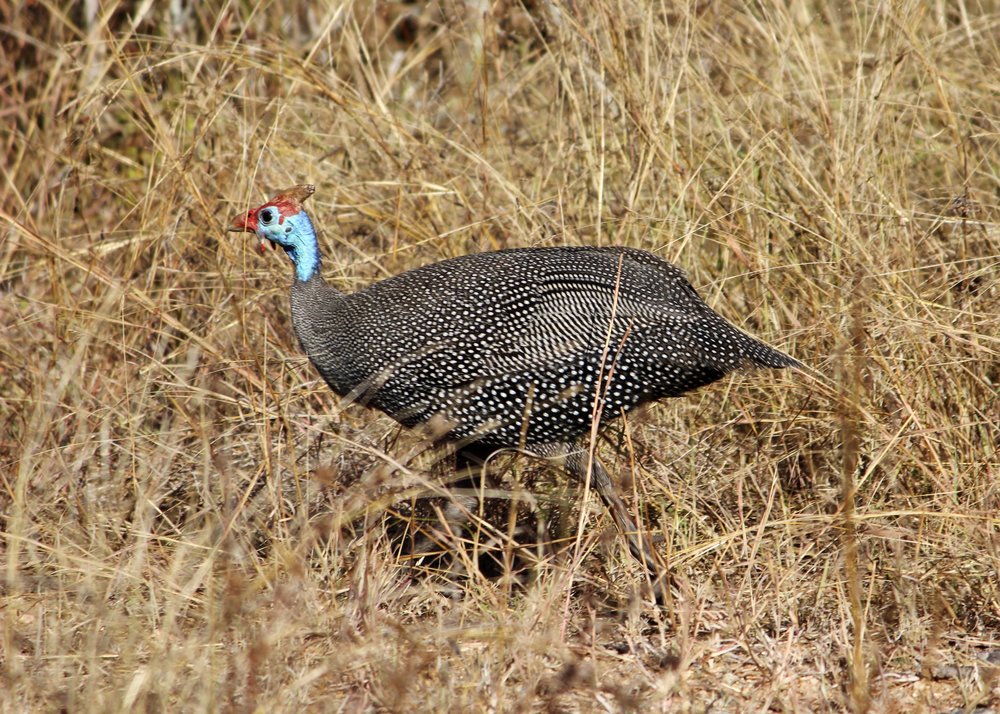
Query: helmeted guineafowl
x=522 y=348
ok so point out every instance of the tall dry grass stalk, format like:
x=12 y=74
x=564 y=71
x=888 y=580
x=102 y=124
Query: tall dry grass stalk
x=190 y=520
x=852 y=358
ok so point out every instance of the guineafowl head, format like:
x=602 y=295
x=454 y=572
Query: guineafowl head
x=283 y=222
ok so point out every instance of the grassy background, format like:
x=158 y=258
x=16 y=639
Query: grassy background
x=192 y=522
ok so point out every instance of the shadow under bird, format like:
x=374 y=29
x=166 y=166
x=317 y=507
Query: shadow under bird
x=525 y=348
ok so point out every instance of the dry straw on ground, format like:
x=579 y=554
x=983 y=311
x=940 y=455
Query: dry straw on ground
x=191 y=522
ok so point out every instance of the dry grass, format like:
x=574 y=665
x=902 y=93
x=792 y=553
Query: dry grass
x=192 y=523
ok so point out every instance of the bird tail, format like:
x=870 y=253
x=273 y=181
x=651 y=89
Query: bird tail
x=761 y=355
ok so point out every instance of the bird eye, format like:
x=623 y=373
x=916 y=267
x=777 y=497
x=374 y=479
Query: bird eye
x=266 y=216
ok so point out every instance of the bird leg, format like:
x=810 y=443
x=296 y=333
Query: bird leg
x=428 y=538
x=579 y=463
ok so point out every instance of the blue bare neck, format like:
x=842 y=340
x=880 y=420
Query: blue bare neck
x=301 y=245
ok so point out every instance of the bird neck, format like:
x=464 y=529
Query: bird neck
x=303 y=250
x=306 y=262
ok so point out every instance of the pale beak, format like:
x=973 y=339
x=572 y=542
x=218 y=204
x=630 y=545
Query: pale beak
x=240 y=224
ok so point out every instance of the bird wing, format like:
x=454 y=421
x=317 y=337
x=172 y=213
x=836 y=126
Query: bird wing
x=597 y=301
x=550 y=311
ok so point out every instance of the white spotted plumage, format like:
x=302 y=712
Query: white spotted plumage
x=507 y=346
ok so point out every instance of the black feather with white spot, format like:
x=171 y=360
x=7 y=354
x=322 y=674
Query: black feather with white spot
x=511 y=347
